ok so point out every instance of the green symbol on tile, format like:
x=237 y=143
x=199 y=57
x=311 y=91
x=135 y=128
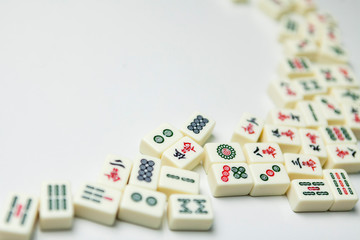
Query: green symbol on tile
x=226 y=151
x=136 y=197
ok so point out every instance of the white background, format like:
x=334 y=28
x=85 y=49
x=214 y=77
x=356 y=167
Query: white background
x=82 y=79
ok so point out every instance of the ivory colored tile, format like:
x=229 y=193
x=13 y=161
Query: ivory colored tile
x=337 y=135
x=289 y=27
x=115 y=172
x=286 y=117
x=263 y=153
x=311 y=31
x=157 y=141
x=301 y=47
x=248 y=129
x=142 y=206
x=313 y=144
x=330 y=34
x=301 y=166
x=56 y=205
x=230 y=179
x=310 y=87
x=287 y=137
x=185 y=154
x=352 y=117
x=295 y=67
x=328 y=77
x=312 y=114
x=284 y=93
x=346 y=76
x=345 y=157
x=190 y=212
x=269 y=179
x=331 y=109
x=222 y=153
x=321 y=19
x=310 y=195
x=199 y=127
x=174 y=180
x=332 y=53
x=18 y=216
x=275 y=9
x=145 y=172
x=97 y=203
x=346 y=96
x=304 y=6
x=345 y=197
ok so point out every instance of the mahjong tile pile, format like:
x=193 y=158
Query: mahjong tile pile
x=304 y=149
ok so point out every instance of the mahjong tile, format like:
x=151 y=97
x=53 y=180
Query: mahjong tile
x=174 y=180
x=312 y=114
x=190 y=212
x=321 y=19
x=222 y=153
x=302 y=166
x=331 y=109
x=142 y=206
x=345 y=156
x=198 y=127
x=304 y=6
x=346 y=96
x=248 y=129
x=327 y=76
x=310 y=31
x=145 y=172
x=284 y=93
x=115 y=172
x=337 y=135
x=263 y=153
x=290 y=26
x=352 y=117
x=330 y=34
x=269 y=179
x=345 y=197
x=313 y=144
x=185 y=154
x=230 y=179
x=330 y=53
x=310 y=195
x=18 y=216
x=301 y=47
x=56 y=205
x=286 y=117
x=157 y=141
x=346 y=76
x=310 y=87
x=275 y=8
x=97 y=203
x=287 y=137
x=295 y=67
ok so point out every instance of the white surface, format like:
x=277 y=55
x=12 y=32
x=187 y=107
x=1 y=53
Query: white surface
x=82 y=79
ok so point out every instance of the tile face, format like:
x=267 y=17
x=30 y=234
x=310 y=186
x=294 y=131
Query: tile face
x=330 y=34
x=248 y=129
x=157 y=141
x=346 y=96
x=310 y=31
x=263 y=153
x=312 y=144
x=284 y=93
x=230 y=179
x=199 y=127
x=290 y=27
x=275 y=9
x=344 y=193
x=331 y=109
x=174 y=180
x=337 y=135
x=310 y=195
x=190 y=212
x=286 y=117
x=352 y=117
x=332 y=53
x=185 y=154
x=301 y=47
x=301 y=166
x=56 y=205
x=345 y=156
x=115 y=172
x=296 y=67
x=310 y=87
x=222 y=153
x=326 y=74
x=145 y=172
x=142 y=206
x=288 y=138
x=312 y=114
x=269 y=179
x=346 y=75
x=18 y=216
x=97 y=203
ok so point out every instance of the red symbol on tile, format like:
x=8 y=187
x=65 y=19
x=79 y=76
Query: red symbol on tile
x=270 y=150
x=289 y=134
x=312 y=137
x=341 y=153
x=283 y=117
x=113 y=175
x=188 y=147
x=310 y=163
x=249 y=129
